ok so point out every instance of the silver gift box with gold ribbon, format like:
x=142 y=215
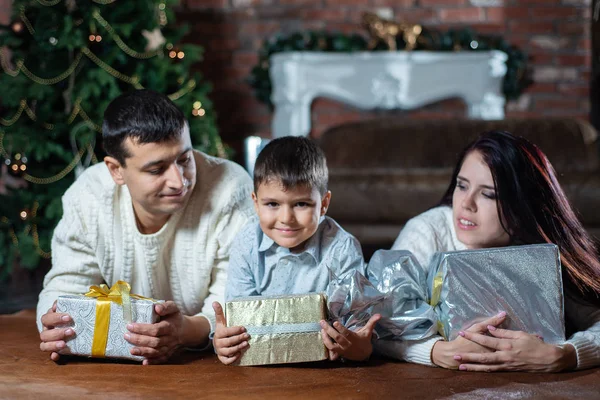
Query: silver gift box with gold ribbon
x=470 y=286
x=100 y=318
x=282 y=329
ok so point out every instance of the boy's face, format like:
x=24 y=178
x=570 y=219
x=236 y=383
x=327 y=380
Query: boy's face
x=160 y=176
x=289 y=216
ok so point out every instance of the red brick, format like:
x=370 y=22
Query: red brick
x=259 y=28
x=573 y=60
x=467 y=14
x=532 y=27
x=414 y=15
x=428 y=3
x=538 y=87
x=495 y=14
x=224 y=44
x=336 y=3
x=344 y=27
x=512 y=13
x=541 y=59
x=245 y=58
x=215 y=29
x=393 y=3
x=573 y=28
x=324 y=104
x=330 y=14
x=521 y=114
x=579 y=90
x=5 y=11
x=554 y=12
x=584 y=44
x=560 y=104
x=486 y=28
x=297 y=2
x=204 y=4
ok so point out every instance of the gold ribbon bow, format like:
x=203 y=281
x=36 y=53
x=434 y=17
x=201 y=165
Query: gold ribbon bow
x=436 y=293
x=119 y=293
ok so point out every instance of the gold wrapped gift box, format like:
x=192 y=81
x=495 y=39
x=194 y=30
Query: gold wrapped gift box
x=282 y=329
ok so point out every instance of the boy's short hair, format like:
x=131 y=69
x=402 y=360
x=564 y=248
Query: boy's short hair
x=293 y=161
x=144 y=115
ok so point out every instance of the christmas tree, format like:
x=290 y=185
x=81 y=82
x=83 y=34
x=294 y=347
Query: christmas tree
x=62 y=62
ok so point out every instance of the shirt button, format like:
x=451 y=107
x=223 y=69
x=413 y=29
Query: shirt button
x=284 y=262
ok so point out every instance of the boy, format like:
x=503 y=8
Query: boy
x=291 y=247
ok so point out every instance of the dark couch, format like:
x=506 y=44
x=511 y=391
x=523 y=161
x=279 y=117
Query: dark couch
x=385 y=171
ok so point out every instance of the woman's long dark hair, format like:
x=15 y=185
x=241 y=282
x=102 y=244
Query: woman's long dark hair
x=534 y=207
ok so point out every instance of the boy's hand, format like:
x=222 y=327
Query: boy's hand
x=349 y=344
x=228 y=342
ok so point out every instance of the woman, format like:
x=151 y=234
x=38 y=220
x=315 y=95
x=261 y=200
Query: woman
x=504 y=192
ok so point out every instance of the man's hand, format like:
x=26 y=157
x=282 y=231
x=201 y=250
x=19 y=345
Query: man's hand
x=228 y=342
x=349 y=344
x=157 y=342
x=54 y=339
x=443 y=353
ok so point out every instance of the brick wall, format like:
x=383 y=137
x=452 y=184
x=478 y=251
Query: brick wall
x=554 y=32
x=5 y=6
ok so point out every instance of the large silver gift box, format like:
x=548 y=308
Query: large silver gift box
x=82 y=310
x=470 y=286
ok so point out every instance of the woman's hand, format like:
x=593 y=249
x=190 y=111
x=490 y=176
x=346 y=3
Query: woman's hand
x=443 y=353
x=515 y=351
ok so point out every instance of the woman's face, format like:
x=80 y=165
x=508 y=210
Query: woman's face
x=474 y=210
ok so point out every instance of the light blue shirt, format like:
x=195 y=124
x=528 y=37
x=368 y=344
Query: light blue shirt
x=260 y=267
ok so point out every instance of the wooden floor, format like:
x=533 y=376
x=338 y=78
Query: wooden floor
x=27 y=373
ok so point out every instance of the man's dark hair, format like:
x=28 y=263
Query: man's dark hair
x=293 y=161
x=143 y=115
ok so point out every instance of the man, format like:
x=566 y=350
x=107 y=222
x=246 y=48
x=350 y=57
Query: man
x=156 y=214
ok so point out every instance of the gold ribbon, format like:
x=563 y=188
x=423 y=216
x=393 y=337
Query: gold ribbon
x=119 y=293
x=436 y=293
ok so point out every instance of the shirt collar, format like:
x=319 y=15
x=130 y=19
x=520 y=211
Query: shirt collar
x=312 y=245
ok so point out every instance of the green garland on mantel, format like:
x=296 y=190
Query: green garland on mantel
x=516 y=80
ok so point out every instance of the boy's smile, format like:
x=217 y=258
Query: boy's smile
x=289 y=216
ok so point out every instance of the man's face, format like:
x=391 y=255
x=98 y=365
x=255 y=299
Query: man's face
x=289 y=216
x=159 y=176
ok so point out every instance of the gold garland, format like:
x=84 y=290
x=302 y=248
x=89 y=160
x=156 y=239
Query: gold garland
x=122 y=45
x=5 y=63
x=20 y=67
x=54 y=178
x=48 y=3
x=134 y=80
x=24 y=107
x=51 y=81
x=34 y=234
x=183 y=91
x=26 y=21
x=15 y=118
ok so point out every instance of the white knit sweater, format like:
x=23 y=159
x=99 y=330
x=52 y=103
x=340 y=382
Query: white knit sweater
x=97 y=240
x=433 y=231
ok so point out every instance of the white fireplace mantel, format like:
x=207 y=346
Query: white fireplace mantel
x=384 y=80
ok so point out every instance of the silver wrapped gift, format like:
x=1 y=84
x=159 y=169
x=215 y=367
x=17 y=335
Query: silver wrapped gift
x=396 y=288
x=82 y=310
x=470 y=286
x=398 y=274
